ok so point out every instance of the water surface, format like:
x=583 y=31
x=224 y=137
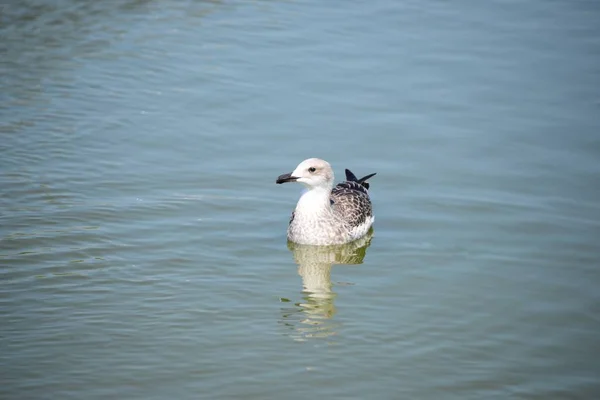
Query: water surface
x=142 y=237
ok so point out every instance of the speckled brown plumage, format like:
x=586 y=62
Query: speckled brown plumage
x=351 y=201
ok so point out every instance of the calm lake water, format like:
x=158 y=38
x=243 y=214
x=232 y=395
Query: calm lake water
x=143 y=251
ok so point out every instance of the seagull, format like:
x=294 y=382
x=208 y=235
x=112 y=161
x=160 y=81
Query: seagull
x=328 y=215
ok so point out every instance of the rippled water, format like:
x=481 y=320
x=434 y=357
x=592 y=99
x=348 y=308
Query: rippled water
x=143 y=250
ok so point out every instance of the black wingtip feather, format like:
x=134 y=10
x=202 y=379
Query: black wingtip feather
x=363 y=181
x=350 y=176
x=364 y=178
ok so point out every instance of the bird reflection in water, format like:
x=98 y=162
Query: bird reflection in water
x=312 y=318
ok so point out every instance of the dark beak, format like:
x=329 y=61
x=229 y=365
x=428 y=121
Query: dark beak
x=286 y=178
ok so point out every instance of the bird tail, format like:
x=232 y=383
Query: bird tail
x=363 y=181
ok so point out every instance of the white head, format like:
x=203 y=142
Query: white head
x=313 y=173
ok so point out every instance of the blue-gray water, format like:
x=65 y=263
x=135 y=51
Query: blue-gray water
x=143 y=251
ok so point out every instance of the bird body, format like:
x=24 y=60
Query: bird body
x=325 y=214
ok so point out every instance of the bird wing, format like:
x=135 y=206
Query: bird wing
x=351 y=202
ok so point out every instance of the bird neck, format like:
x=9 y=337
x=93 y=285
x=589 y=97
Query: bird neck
x=314 y=201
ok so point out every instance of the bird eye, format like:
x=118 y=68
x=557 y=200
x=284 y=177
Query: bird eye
x=312 y=169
